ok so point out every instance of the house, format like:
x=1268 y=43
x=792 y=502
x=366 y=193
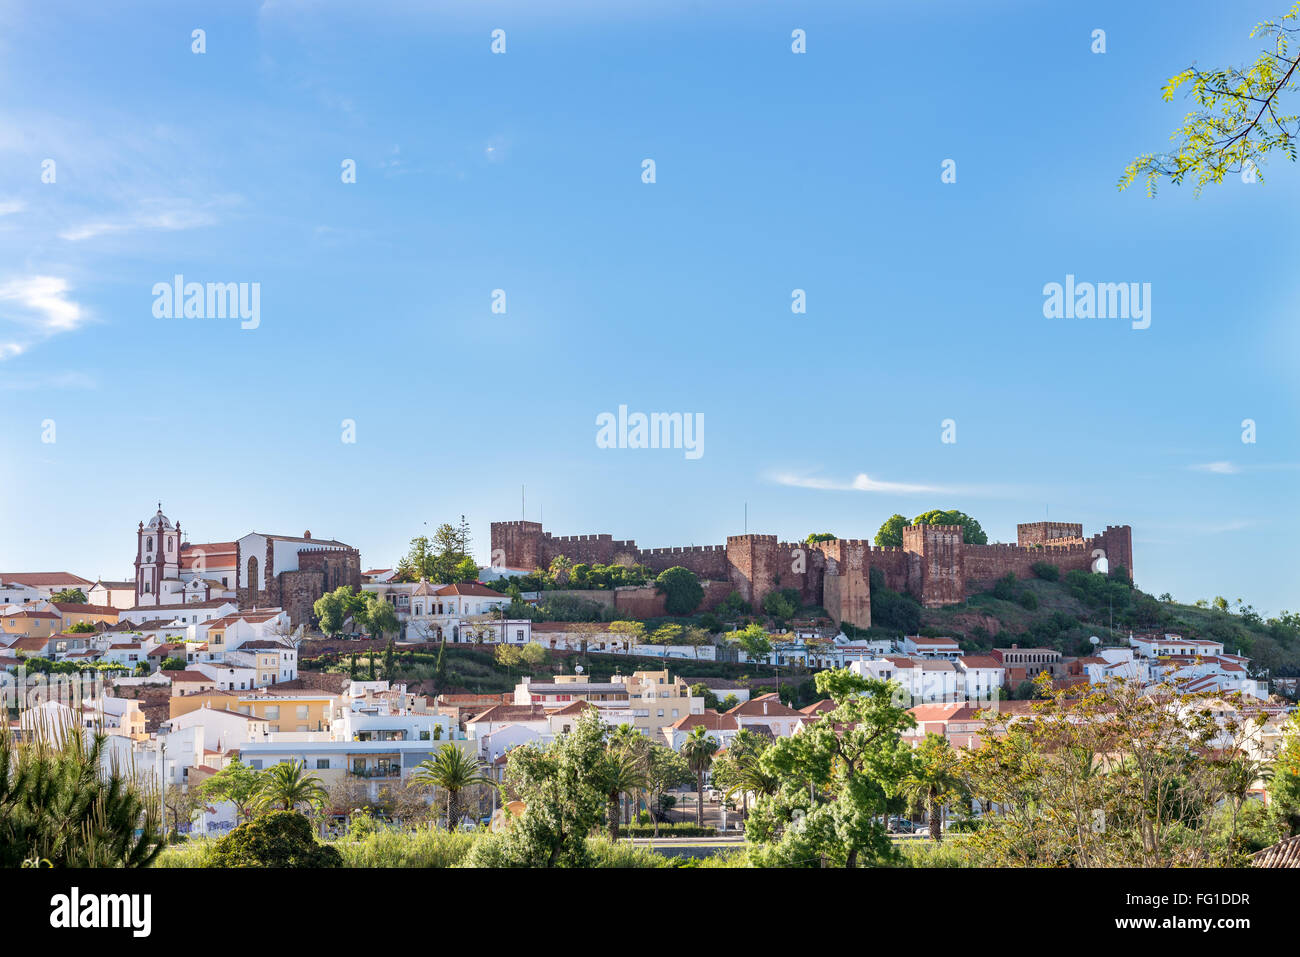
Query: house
x=189 y=682
x=37 y=624
x=272 y=661
x=920 y=679
x=224 y=729
x=658 y=699
x=117 y=594
x=917 y=646
x=720 y=727
x=46 y=584
x=459 y=612
x=534 y=717
x=283 y=709
x=1025 y=664
x=564 y=689
x=187 y=613
x=76 y=614
x=226 y=675
x=126 y=653
x=981 y=676
x=767 y=711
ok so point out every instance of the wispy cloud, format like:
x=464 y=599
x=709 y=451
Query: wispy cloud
x=157 y=215
x=10 y=206
x=1216 y=468
x=861 y=482
x=37 y=307
x=1232 y=468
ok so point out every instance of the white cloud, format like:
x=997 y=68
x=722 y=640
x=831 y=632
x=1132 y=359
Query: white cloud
x=38 y=306
x=161 y=216
x=1217 y=468
x=861 y=482
x=10 y=206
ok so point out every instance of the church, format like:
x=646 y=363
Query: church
x=256 y=571
x=172 y=571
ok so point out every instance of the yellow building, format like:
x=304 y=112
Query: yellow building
x=283 y=710
x=658 y=700
x=74 y=614
x=34 y=624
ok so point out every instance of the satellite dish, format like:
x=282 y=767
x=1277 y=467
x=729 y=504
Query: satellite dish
x=1095 y=640
x=577 y=669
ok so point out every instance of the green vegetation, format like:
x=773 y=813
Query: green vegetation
x=60 y=808
x=70 y=596
x=891 y=532
x=445 y=558
x=278 y=839
x=1241 y=118
x=681 y=590
x=564 y=574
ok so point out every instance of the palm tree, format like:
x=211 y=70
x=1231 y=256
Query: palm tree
x=623 y=771
x=285 y=786
x=453 y=770
x=630 y=740
x=749 y=777
x=698 y=749
x=933 y=781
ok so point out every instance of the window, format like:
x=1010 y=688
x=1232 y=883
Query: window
x=272 y=712
x=322 y=764
x=255 y=764
x=302 y=713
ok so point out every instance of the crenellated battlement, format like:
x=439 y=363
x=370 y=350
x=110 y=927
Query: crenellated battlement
x=934 y=563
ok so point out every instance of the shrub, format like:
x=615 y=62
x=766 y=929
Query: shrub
x=1029 y=600
x=1046 y=571
x=278 y=839
x=670 y=830
x=391 y=847
x=1005 y=587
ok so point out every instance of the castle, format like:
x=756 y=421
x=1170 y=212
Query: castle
x=934 y=565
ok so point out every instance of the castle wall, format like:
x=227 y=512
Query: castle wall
x=934 y=565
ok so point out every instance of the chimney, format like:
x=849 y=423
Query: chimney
x=307 y=535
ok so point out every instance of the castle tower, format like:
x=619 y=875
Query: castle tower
x=935 y=570
x=157 y=557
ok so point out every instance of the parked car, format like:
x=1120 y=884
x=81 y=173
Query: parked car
x=900 y=825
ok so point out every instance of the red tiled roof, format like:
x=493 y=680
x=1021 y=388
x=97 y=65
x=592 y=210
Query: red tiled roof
x=710 y=720
x=37 y=579
x=75 y=608
x=471 y=589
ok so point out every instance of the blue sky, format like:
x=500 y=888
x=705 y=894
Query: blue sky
x=522 y=172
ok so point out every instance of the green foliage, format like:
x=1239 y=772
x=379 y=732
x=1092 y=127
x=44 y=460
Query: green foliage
x=1240 y=119
x=444 y=558
x=82 y=628
x=287 y=788
x=70 y=596
x=782 y=603
x=835 y=780
x=563 y=787
x=890 y=534
x=681 y=590
x=1046 y=571
x=278 y=839
x=971 y=533
x=892 y=610
x=815 y=537
x=58 y=804
x=334 y=608
x=451 y=770
x=172 y=663
x=753 y=641
x=236 y=783
x=732 y=606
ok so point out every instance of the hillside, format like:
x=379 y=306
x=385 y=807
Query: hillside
x=1063 y=615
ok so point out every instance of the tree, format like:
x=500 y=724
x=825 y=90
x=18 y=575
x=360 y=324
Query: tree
x=377 y=616
x=1118 y=776
x=440 y=667
x=237 y=783
x=698 y=750
x=665 y=770
x=781 y=603
x=172 y=663
x=971 y=533
x=681 y=590
x=741 y=772
x=453 y=770
x=890 y=534
x=334 y=608
x=753 y=641
x=63 y=804
x=285 y=787
x=82 y=628
x=69 y=596
x=624 y=771
x=815 y=537
x=934 y=781
x=1284 y=788
x=563 y=788
x=278 y=839
x=836 y=779
x=182 y=804
x=701 y=690
x=1240 y=120
x=390 y=670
